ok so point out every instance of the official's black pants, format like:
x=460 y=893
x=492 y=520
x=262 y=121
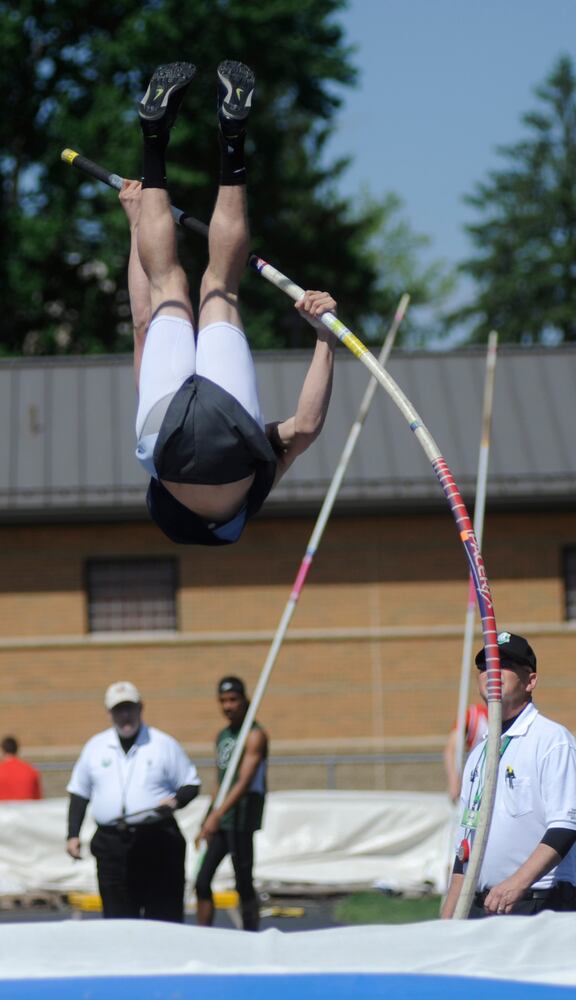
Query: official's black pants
x=141 y=870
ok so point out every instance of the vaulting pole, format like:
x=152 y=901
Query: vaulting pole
x=494 y=709
x=442 y=472
x=479 y=509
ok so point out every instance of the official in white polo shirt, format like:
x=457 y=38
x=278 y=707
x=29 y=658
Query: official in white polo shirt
x=530 y=859
x=134 y=777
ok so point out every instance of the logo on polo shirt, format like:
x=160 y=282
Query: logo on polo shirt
x=225 y=751
x=106 y=761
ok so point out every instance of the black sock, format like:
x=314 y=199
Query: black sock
x=232 y=165
x=154 y=162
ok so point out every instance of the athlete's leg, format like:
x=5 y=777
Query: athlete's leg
x=242 y=856
x=167 y=353
x=223 y=356
x=157 y=230
x=229 y=237
x=228 y=246
x=223 y=351
x=215 y=853
x=168 y=359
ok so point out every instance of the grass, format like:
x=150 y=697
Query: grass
x=379 y=908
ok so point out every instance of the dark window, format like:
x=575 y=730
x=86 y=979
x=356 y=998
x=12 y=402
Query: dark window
x=127 y=595
x=569 y=573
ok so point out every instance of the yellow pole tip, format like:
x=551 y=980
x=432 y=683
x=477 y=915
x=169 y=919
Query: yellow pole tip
x=68 y=155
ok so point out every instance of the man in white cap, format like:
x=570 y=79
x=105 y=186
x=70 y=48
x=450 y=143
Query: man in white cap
x=134 y=777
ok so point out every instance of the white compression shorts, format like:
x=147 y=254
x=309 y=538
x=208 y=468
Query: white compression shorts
x=171 y=354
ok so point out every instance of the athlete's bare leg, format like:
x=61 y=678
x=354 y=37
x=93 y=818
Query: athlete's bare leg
x=229 y=236
x=156 y=233
x=228 y=244
x=158 y=255
x=204 y=913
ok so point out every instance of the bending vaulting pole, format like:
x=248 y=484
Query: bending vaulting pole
x=479 y=509
x=441 y=470
x=494 y=708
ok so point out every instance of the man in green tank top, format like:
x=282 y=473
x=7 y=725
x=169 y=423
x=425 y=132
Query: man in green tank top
x=230 y=828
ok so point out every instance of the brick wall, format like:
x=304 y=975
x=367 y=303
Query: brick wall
x=371 y=662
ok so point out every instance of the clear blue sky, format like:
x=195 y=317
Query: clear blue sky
x=442 y=84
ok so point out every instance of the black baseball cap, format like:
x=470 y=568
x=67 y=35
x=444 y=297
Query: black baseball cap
x=514 y=650
x=228 y=684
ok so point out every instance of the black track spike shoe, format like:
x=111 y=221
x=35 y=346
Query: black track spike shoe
x=235 y=89
x=159 y=106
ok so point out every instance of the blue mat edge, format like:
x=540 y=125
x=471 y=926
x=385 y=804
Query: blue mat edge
x=311 y=986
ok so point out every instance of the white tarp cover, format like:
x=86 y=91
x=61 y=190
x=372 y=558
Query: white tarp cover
x=316 y=839
x=534 y=949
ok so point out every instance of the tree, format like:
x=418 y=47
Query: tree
x=525 y=266
x=72 y=73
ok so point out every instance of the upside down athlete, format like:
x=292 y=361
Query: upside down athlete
x=201 y=435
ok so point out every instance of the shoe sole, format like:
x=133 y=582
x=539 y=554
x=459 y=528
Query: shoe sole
x=166 y=81
x=235 y=80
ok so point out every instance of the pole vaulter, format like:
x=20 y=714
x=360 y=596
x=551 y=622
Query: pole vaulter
x=449 y=487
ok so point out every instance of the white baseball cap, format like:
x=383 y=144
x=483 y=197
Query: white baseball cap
x=119 y=692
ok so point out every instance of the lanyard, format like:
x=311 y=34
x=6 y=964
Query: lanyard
x=124 y=775
x=470 y=814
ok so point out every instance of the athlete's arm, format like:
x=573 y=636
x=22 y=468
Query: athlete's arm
x=293 y=436
x=254 y=752
x=452 y=896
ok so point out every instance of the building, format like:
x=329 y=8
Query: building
x=91 y=591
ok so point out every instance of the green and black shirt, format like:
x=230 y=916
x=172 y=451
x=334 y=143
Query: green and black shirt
x=246 y=815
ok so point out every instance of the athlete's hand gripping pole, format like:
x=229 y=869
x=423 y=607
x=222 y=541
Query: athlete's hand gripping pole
x=87 y=166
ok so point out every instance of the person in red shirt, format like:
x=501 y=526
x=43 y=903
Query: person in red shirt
x=18 y=780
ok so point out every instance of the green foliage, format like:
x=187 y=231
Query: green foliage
x=524 y=268
x=73 y=72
